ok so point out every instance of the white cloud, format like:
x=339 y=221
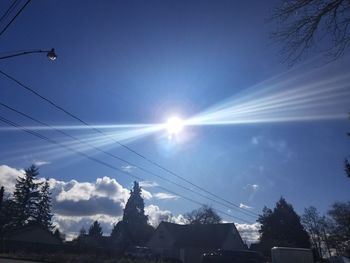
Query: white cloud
x=249 y=232
x=163 y=196
x=256 y=140
x=128 y=168
x=8 y=177
x=278 y=145
x=241 y=205
x=148 y=184
x=156 y=216
x=40 y=163
x=146 y=194
x=252 y=187
x=102 y=187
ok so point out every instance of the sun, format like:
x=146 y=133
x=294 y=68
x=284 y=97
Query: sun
x=174 y=125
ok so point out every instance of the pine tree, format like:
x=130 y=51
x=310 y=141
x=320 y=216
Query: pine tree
x=44 y=215
x=2 y=191
x=26 y=197
x=134 y=229
x=134 y=212
x=281 y=227
x=82 y=232
x=59 y=235
x=95 y=230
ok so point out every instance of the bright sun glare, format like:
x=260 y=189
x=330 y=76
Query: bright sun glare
x=174 y=125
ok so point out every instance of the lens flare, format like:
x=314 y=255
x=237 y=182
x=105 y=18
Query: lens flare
x=174 y=125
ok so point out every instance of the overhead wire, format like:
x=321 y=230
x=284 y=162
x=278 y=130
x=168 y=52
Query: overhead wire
x=125 y=161
x=121 y=144
x=40 y=136
x=14 y=18
x=9 y=10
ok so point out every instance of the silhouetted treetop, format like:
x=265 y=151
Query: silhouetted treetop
x=26 y=197
x=134 y=212
x=282 y=227
x=95 y=230
x=203 y=215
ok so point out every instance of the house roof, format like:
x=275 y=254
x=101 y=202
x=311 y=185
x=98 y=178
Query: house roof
x=200 y=235
x=33 y=233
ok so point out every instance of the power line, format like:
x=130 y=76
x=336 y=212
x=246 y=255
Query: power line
x=40 y=136
x=121 y=144
x=123 y=160
x=13 y=19
x=9 y=10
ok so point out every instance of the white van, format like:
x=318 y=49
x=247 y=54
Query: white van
x=291 y=255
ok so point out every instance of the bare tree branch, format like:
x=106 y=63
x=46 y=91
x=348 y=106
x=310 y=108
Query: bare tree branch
x=302 y=23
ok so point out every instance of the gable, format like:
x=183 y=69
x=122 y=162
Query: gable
x=34 y=235
x=211 y=236
x=161 y=238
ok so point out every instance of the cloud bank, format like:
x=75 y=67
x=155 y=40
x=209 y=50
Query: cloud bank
x=77 y=204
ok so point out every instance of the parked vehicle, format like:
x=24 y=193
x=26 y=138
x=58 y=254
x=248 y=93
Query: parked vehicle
x=291 y=255
x=139 y=252
x=339 y=260
x=229 y=256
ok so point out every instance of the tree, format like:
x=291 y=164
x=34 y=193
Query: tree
x=340 y=215
x=281 y=227
x=82 y=232
x=57 y=233
x=134 y=228
x=2 y=191
x=318 y=229
x=6 y=212
x=303 y=22
x=95 y=230
x=347 y=165
x=134 y=212
x=203 y=215
x=44 y=215
x=26 y=197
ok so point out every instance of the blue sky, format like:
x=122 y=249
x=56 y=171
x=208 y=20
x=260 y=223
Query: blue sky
x=136 y=62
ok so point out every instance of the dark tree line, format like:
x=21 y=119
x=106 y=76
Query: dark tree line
x=282 y=227
x=30 y=203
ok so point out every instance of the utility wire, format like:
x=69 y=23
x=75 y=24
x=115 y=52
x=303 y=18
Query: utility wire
x=40 y=136
x=9 y=10
x=123 y=160
x=121 y=144
x=13 y=19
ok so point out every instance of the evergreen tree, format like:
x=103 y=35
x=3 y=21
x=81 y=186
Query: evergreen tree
x=59 y=235
x=26 y=197
x=95 y=230
x=134 y=228
x=82 y=232
x=281 y=227
x=2 y=191
x=134 y=212
x=44 y=214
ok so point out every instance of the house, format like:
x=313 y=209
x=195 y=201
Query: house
x=31 y=236
x=188 y=242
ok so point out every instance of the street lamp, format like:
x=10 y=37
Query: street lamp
x=51 y=55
